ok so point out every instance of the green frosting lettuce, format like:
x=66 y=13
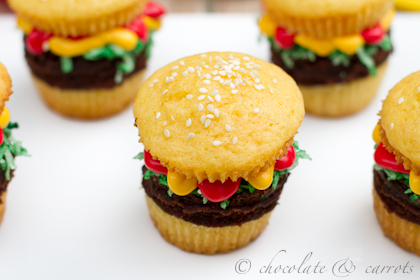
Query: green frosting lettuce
x=392 y=175
x=364 y=53
x=244 y=186
x=9 y=149
x=127 y=62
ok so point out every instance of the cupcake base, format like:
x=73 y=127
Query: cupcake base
x=201 y=239
x=91 y=103
x=404 y=233
x=340 y=100
x=2 y=206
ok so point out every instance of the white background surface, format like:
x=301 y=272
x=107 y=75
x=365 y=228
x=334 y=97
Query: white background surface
x=75 y=210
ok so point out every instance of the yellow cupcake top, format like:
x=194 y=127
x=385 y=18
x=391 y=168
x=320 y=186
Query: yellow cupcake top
x=5 y=86
x=77 y=17
x=327 y=18
x=400 y=117
x=218 y=115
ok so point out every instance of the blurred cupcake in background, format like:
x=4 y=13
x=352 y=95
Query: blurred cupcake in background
x=336 y=50
x=9 y=147
x=87 y=58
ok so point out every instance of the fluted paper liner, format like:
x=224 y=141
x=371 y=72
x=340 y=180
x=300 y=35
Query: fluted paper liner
x=406 y=234
x=343 y=99
x=201 y=239
x=334 y=25
x=91 y=103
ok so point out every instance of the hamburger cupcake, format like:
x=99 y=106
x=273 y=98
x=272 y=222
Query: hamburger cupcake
x=87 y=58
x=336 y=50
x=218 y=132
x=9 y=147
x=396 y=193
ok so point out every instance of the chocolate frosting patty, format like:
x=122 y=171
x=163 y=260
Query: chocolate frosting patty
x=243 y=207
x=395 y=200
x=322 y=71
x=85 y=75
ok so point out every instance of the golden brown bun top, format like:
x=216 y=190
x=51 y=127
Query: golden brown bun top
x=77 y=17
x=5 y=86
x=190 y=121
x=400 y=117
x=322 y=8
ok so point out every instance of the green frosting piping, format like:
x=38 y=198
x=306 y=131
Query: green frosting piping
x=392 y=175
x=300 y=154
x=9 y=149
x=66 y=64
x=364 y=53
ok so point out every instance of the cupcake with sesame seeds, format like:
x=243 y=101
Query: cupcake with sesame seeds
x=218 y=131
x=87 y=58
x=336 y=50
x=396 y=191
x=9 y=147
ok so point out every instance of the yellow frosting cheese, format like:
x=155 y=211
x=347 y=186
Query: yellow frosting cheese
x=180 y=185
x=122 y=37
x=348 y=44
x=376 y=136
x=319 y=47
x=152 y=24
x=267 y=26
x=24 y=25
x=414 y=182
x=387 y=19
x=263 y=179
x=4 y=118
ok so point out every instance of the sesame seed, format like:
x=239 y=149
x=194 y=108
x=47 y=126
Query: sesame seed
x=242 y=70
x=175 y=67
x=216 y=78
x=200 y=107
x=172 y=117
x=202 y=90
x=207 y=123
x=182 y=63
x=210 y=116
x=232 y=86
x=165 y=91
x=221 y=81
x=228 y=127
x=246 y=58
x=188 y=123
x=174 y=74
x=191 y=70
x=198 y=73
x=392 y=126
x=216 y=66
x=272 y=90
x=254 y=73
x=210 y=98
x=210 y=108
x=215 y=92
x=235 y=140
x=256 y=111
x=222 y=73
x=256 y=66
x=208 y=76
x=418 y=90
x=203 y=63
x=168 y=79
x=217 y=143
x=158 y=115
x=203 y=55
x=275 y=80
x=400 y=100
x=235 y=91
x=203 y=119
x=218 y=58
x=189 y=96
x=216 y=112
x=190 y=136
x=249 y=67
x=257 y=87
x=185 y=73
x=167 y=133
x=262 y=86
x=164 y=123
x=257 y=80
x=206 y=66
x=155 y=81
x=151 y=85
x=207 y=82
x=201 y=97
